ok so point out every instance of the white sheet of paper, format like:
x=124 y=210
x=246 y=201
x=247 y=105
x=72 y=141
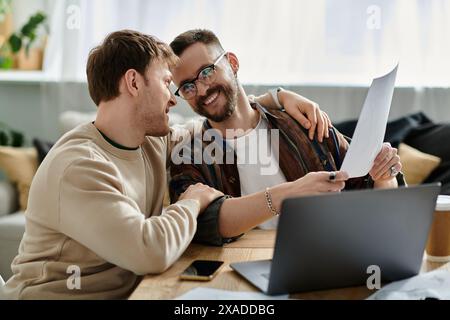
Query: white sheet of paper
x=371 y=128
x=201 y=293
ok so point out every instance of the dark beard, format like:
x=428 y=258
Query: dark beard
x=230 y=94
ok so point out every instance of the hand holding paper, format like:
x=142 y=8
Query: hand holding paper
x=369 y=134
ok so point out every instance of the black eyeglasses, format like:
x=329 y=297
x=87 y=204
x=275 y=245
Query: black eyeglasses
x=207 y=76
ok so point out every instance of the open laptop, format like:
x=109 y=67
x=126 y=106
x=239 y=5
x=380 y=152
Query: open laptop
x=329 y=241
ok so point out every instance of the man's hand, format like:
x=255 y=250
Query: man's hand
x=313 y=183
x=319 y=182
x=307 y=113
x=304 y=111
x=386 y=165
x=202 y=193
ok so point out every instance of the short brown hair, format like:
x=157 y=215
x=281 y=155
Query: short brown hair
x=188 y=38
x=120 y=52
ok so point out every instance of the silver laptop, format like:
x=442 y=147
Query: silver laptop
x=329 y=241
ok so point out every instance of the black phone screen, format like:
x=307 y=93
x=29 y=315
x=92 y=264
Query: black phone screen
x=202 y=268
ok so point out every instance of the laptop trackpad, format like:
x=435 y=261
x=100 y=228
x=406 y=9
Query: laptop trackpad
x=256 y=272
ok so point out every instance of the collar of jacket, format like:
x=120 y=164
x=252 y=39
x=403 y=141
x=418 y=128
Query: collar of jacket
x=256 y=106
x=266 y=114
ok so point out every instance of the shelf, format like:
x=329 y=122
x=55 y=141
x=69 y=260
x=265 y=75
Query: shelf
x=17 y=76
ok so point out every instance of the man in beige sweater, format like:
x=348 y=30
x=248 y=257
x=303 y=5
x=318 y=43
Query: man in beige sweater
x=95 y=220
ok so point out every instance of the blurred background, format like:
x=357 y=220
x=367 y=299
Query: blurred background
x=327 y=50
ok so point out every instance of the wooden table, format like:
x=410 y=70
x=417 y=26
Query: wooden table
x=256 y=245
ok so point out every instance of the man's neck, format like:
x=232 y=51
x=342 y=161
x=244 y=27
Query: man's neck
x=244 y=118
x=114 y=122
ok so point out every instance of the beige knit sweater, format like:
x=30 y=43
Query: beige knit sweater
x=97 y=209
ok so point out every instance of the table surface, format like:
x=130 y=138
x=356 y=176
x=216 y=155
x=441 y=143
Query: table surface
x=256 y=245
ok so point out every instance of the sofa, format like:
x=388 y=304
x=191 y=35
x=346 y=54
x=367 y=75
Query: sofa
x=12 y=227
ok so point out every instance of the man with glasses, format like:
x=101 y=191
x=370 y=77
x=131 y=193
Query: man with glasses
x=207 y=80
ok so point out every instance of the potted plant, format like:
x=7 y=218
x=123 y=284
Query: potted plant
x=23 y=43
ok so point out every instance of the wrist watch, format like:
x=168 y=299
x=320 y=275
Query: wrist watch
x=274 y=95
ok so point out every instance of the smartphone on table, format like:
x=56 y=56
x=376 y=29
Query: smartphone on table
x=202 y=270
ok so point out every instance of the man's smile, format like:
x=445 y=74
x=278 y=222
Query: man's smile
x=211 y=98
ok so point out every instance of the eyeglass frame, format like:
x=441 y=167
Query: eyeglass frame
x=213 y=66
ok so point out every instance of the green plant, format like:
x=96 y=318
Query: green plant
x=6 y=63
x=10 y=137
x=28 y=33
x=5 y=8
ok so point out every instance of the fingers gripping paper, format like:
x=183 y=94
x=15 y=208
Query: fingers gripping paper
x=371 y=128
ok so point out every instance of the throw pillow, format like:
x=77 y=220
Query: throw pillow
x=417 y=166
x=19 y=165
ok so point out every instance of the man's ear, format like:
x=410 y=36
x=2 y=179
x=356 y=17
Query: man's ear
x=234 y=62
x=131 y=81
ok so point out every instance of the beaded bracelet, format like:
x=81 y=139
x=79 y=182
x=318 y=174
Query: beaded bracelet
x=270 y=203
